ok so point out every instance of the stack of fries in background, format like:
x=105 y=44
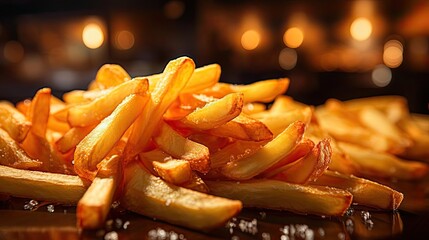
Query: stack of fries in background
x=184 y=148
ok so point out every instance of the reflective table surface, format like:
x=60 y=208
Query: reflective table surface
x=22 y=219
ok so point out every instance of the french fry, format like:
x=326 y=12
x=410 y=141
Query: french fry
x=274 y=194
x=284 y=104
x=38 y=112
x=214 y=114
x=46 y=186
x=196 y=183
x=72 y=137
x=381 y=164
x=252 y=108
x=308 y=168
x=421 y=121
x=81 y=96
x=111 y=75
x=182 y=148
x=174 y=171
x=12 y=155
x=243 y=128
x=277 y=122
x=151 y=196
x=93 y=207
x=365 y=192
x=13 y=121
x=175 y=77
x=301 y=149
x=419 y=149
x=95 y=111
x=234 y=152
x=271 y=153
x=97 y=144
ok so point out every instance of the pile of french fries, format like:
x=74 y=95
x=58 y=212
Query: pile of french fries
x=182 y=147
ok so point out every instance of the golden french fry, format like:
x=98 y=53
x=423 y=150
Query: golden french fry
x=301 y=150
x=151 y=196
x=97 y=144
x=13 y=121
x=378 y=122
x=81 y=96
x=202 y=77
x=277 y=122
x=174 y=171
x=111 y=75
x=309 y=168
x=182 y=148
x=214 y=114
x=381 y=164
x=284 y=104
x=95 y=111
x=93 y=207
x=271 y=153
x=72 y=137
x=46 y=186
x=12 y=155
x=419 y=149
x=243 y=128
x=252 y=108
x=395 y=107
x=38 y=113
x=176 y=75
x=196 y=183
x=421 y=121
x=365 y=192
x=273 y=194
x=234 y=152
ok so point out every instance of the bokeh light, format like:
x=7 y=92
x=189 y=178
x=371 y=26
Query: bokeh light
x=361 y=29
x=124 y=40
x=250 y=39
x=288 y=58
x=92 y=36
x=381 y=76
x=293 y=37
x=13 y=51
x=174 y=9
x=393 y=53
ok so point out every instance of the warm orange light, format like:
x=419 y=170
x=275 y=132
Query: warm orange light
x=13 y=51
x=124 y=40
x=293 y=37
x=250 y=39
x=392 y=55
x=361 y=29
x=92 y=36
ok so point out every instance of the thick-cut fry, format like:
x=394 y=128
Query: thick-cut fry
x=214 y=114
x=151 y=196
x=39 y=111
x=252 y=108
x=243 y=128
x=267 y=156
x=46 y=186
x=175 y=76
x=378 y=122
x=284 y=104
x=97 y=144
x=365 y=192
x=385 y=165
x=273 y=194
x=234 y=152
x=174 y=171
x=81 y=96
x=182 y=148
x=301 y=149
x=93 y=207
x=13 y=121
x=72 y=138
x=111 y=75
x=277 y=122
x=95 y=111
x=309 y=168
x=12 y=155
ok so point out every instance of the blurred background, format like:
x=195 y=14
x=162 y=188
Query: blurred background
x=329 y=49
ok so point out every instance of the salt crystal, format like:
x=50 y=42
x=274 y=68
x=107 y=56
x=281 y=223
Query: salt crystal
x=50 y=208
